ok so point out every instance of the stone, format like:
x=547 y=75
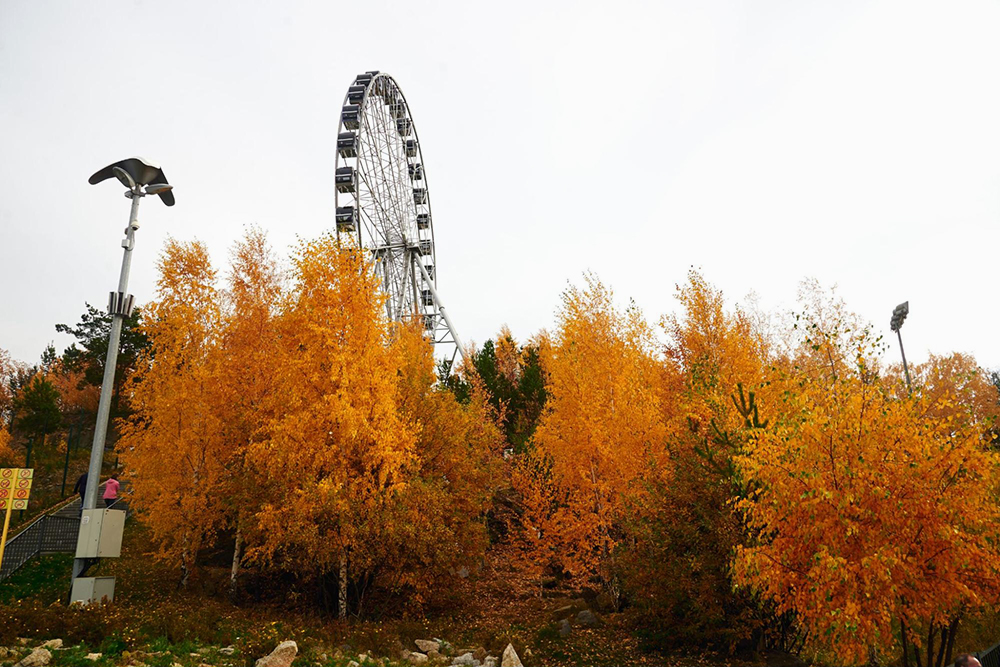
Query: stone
x=281 y=656
x=53 y=644
x=604 y=602
x=463 y=572
x=417 y=658
x=4 y=652
x=566 y=611
x=510 y=658
x=353 y=663
x=587 y=619
x=37 y=658
x=427 y=645
x=227 y=650
x=491 y=661
x=464 y=659
x=479 y=654
x=564 y=628
x=93 y=656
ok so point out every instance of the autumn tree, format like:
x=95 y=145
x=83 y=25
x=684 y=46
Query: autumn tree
x=685 y=527
x=173 y=446
x=249 y=341
x=601 y=432
x=870 y=513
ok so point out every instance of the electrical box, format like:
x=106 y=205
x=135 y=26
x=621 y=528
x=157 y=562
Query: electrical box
x=93 y=589
x=100 y=534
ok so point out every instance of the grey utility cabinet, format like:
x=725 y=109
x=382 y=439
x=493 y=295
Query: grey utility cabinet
x=92 y=589
x=100 y=534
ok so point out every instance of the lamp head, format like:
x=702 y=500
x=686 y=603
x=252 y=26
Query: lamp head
x=899 y=314
x=137 y=171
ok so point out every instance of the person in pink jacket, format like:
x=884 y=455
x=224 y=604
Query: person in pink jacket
x=111 y=490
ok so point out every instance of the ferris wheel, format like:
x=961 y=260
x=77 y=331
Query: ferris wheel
x=382 y=200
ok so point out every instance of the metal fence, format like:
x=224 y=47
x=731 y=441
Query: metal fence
x=990 y=657
x=48 y=534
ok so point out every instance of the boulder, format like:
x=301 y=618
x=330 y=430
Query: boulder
x=479 y=654
x=93 y=656
x=604 y=602
x=281 y=656
x=353 y=663
x=491 y=661
x=510 y=658
x=53 y=644
x=417 y=658
x=427 y=645
x=37 y=658
x=587 y=619
x=464 y=659
x=564 y=628
x=227 y=650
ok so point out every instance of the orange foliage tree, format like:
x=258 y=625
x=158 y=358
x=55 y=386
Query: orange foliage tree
x=685 y=528
x=870 y=512
x=602 y=430
x=173 y=447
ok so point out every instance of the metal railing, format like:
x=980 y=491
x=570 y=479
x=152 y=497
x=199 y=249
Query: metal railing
x=48 y=534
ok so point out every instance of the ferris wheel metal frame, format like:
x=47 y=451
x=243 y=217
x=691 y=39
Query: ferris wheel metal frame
x=382 y=199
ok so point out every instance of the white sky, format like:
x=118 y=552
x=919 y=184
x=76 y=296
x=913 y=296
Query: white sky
x=763 y=142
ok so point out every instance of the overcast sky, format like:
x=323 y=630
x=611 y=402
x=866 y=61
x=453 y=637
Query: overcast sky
x=857 y=143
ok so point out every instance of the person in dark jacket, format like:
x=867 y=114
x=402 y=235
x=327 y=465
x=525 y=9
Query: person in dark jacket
x=81 y=487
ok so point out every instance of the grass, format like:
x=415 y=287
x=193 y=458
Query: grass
x=45 y=579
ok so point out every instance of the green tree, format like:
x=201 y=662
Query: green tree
x=90 y=351
x=37 y=408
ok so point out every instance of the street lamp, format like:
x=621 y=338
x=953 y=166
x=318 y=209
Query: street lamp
x=142 y=178
x=899 y=314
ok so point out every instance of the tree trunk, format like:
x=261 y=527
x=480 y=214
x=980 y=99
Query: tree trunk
x=952 y=629
x=941 y=647
x=930 y=645
x=902 y=640
x=342 y=586
x=237 y=555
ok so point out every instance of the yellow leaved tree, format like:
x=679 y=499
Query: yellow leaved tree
x=173 y=447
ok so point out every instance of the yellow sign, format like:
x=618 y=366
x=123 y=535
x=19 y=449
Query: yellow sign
x=15 y=487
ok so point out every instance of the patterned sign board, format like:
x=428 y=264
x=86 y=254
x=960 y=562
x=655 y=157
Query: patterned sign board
x=15 y=487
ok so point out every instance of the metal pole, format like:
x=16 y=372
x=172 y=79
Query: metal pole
x=444 y=313
x=6 y=518
x=108 y=385
x=906 y=369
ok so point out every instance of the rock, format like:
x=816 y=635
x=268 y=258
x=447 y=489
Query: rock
x=23 y=641
x=479 y=654
x=4 y=652
x=176 y=664
x=93 y=656
x=587 y=619
x=564 y=628
x=463 y=572
x=404 y=654
x=604 y=602
x=464 y=659
x=53 y=644
x=510 y=658
x=37 y=658
x=353 y=663
x=228 y=650
x=427 y=645
x=490 y=661
x=567 y=611
x=281 y=656
x=417 y=658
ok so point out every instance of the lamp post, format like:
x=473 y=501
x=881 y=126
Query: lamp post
x=142 y=178
x=899 y=314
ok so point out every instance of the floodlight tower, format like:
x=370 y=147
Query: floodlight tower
x=899 y=314
x=140 y=177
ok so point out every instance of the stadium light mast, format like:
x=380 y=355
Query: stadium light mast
x=899 y=314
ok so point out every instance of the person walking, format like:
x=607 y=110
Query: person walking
x=81 y=488
x=111 y=490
